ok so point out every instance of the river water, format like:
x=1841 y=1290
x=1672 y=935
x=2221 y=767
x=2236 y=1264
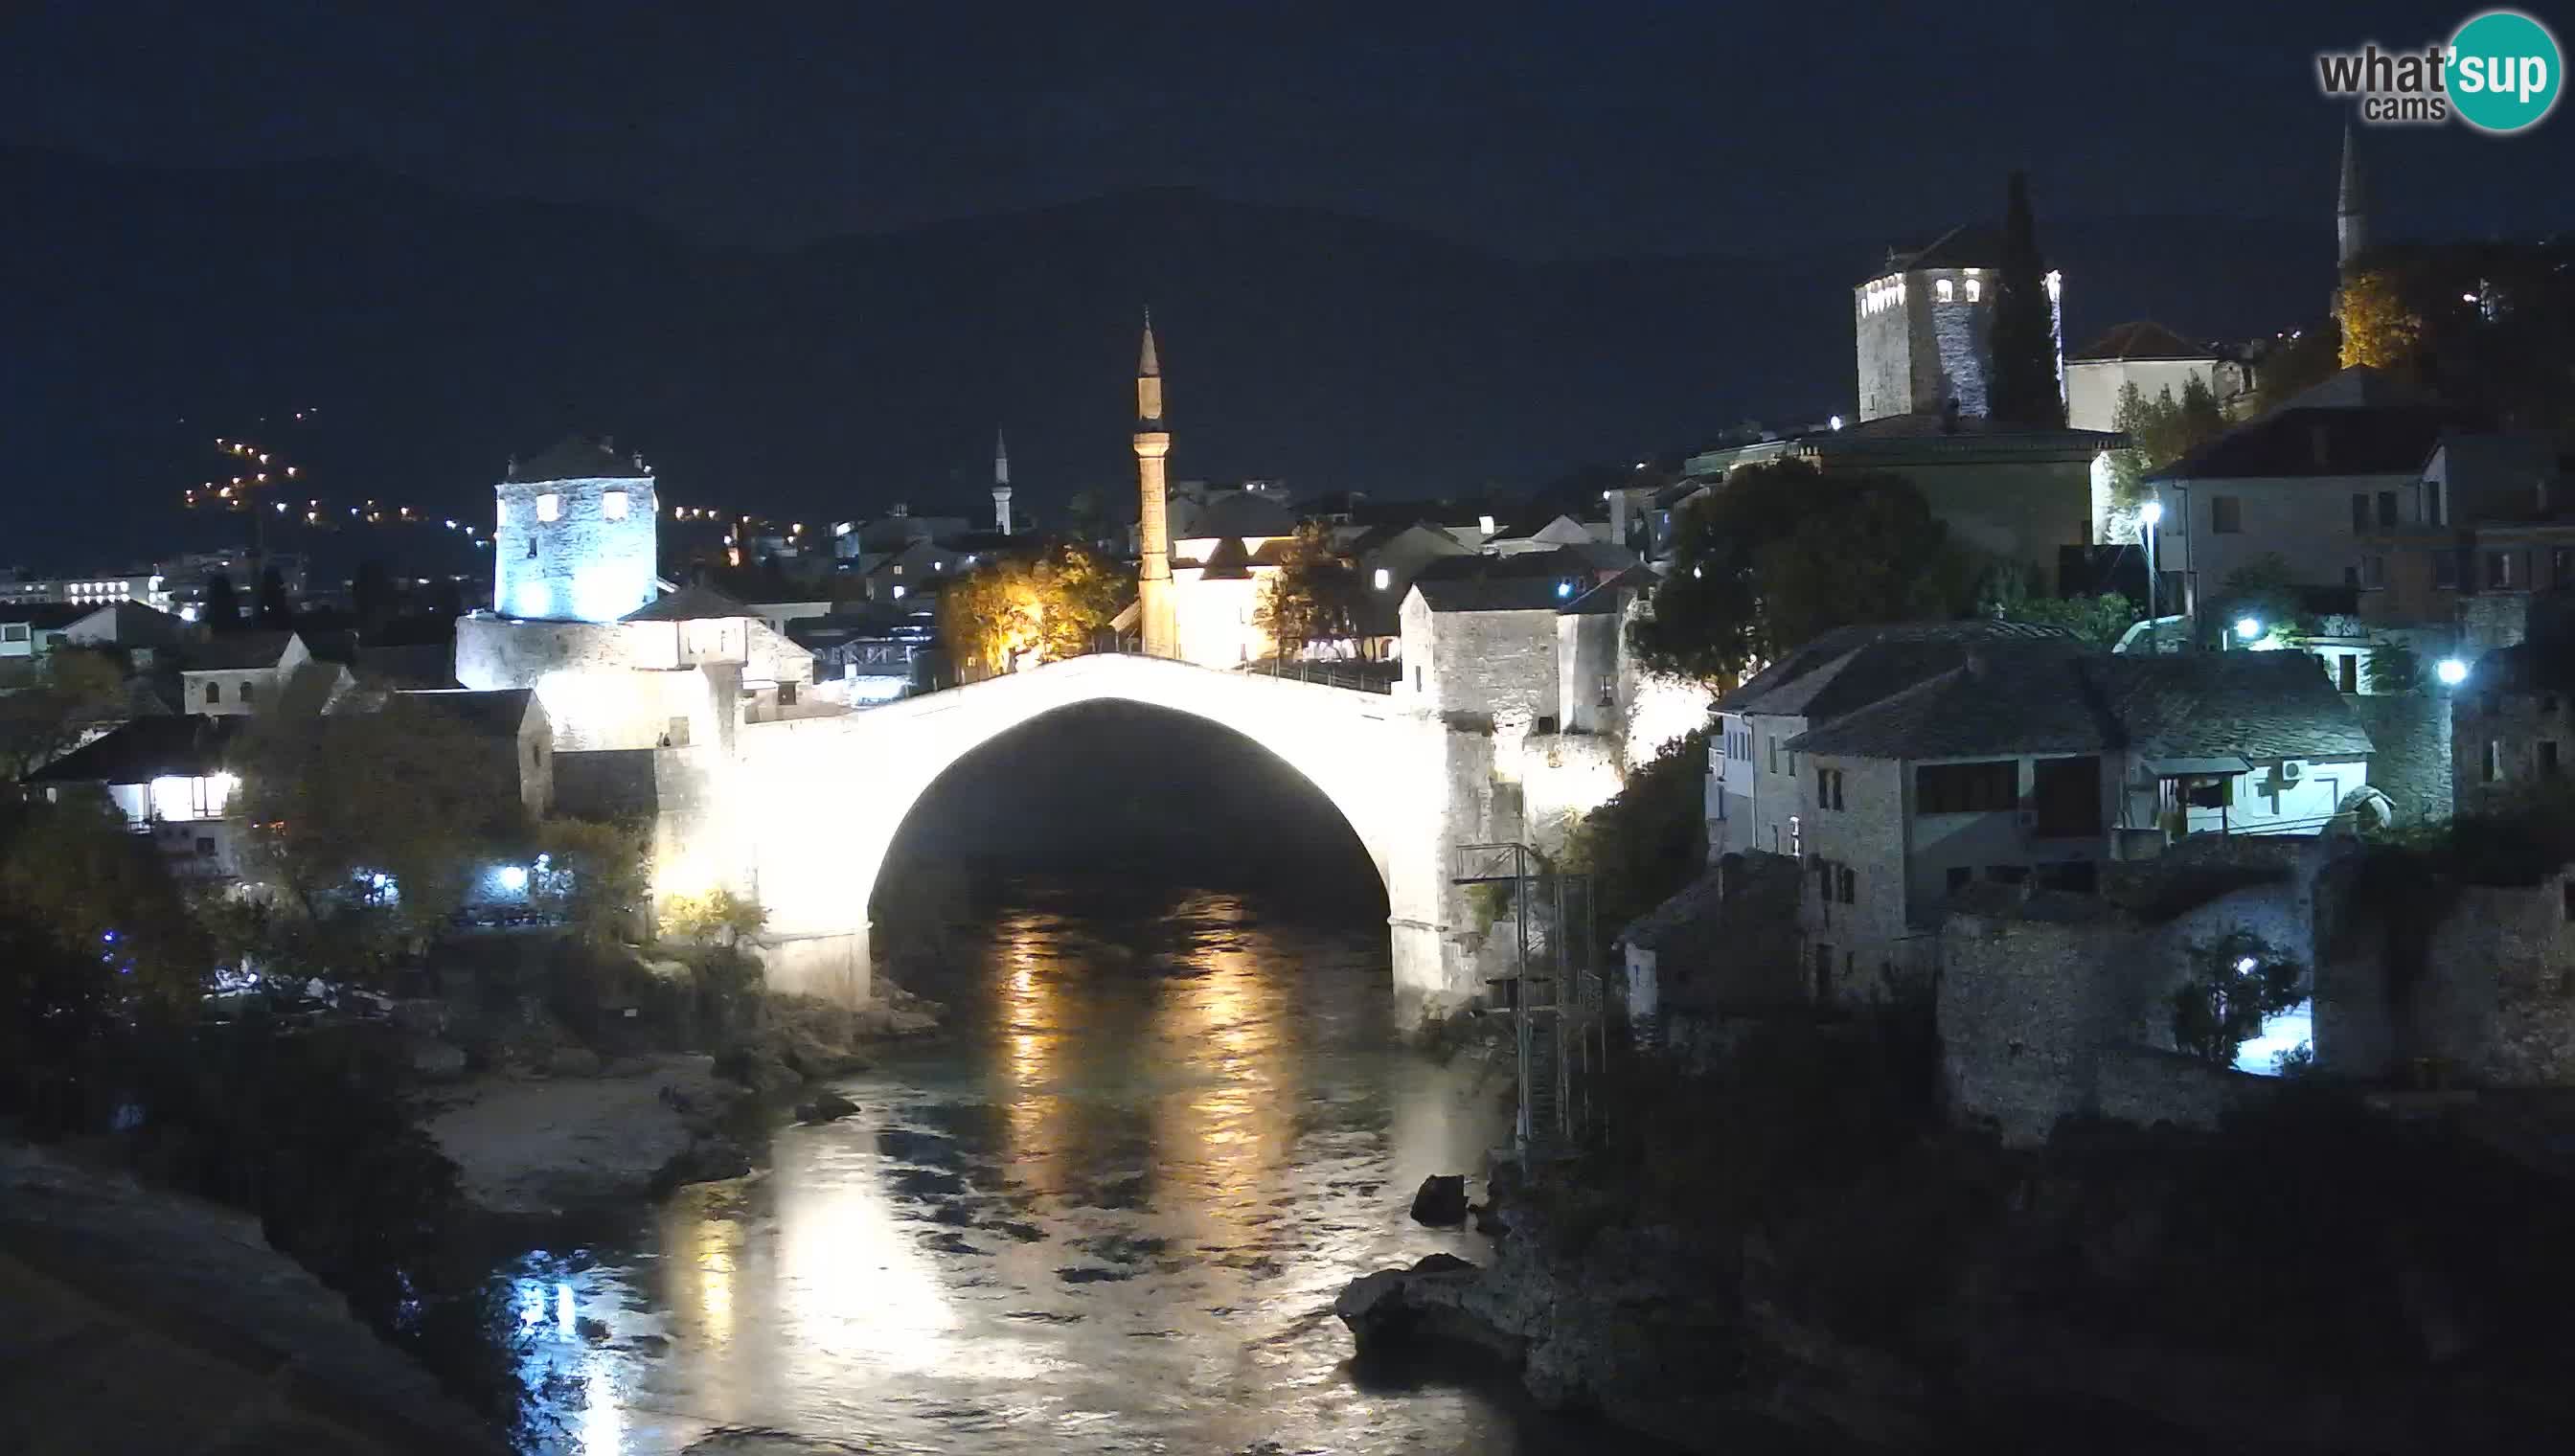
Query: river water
x=1107 y=1210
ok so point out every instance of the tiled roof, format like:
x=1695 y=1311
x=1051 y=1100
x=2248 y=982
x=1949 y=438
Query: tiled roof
x=690 y=604
x=1245 y=512
x=45 y=616
x=495 y=712
x=427 y=664
x=1562 y=560
x=2254 y=706
x=577 y=458
x=1491 y=594
x=2143 y=339
x=238 y=651
x=2373 y=440
x=1226 y=561
x=187 y=746
x=1608 y=597
x=1673 y=920
x=1900 y=654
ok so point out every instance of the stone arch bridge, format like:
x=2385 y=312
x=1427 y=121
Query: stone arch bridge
x=801 y=812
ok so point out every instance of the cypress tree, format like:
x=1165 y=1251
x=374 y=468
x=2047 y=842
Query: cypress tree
x=2023 y=388
x=222 y=612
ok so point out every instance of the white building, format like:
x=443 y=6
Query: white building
x=169 y=776
x=2149 y=356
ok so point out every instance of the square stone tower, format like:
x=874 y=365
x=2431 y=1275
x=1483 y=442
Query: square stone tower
x=1925 y=327
x=576 y=540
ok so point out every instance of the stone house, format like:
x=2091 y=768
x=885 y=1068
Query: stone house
x=2512 y=726
x=2035 y=768
x=2308 y=482
x=510 y=722
x=2489 y=517
x=237 y=673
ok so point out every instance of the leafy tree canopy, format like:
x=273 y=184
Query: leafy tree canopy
x=1315 y=596
x=1780 y=552
x=62 y=699
x=1017 y=610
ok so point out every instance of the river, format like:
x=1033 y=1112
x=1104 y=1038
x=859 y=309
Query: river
x=1107 y=1210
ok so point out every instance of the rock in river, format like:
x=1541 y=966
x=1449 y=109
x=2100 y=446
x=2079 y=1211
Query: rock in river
x=826 y=1108
x=1442 y=1201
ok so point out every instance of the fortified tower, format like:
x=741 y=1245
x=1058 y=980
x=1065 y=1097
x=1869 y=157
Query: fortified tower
x=1001 y=484
x=1155 y=611
x=574 y=538
x=1924 y=326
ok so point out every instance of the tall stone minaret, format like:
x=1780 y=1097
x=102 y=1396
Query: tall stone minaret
x=1156 y=609
x=2351 y=210
x=1001 y=484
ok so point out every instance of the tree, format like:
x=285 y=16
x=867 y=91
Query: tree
x=2299 y=363
x=1647 y=842
x=593 y=876
x=2161 y=431
x=66 y=698
x=1083 y=520
x=2379 y=328
x=2024 y=390
x=2099 y=621
x=2239 y=981
x=2393 y=667
x=1015 y=612
x=1780 y=552
x=273 y=610
x=371 y=824
x=370 y=592
x=713 y=918
x=2265 y=590
x=222 y=610
x=1315 y=596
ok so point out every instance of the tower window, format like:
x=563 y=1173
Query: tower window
x=1976 y=289
x=1948 y=290
x=612 y=505
x=549 y=507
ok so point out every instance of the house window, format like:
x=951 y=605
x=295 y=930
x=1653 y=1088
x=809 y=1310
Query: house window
x=2498 y=571
x=2548 y=758
x=1382 y=579
x=246 y=693
x=1951 y=788
x=2215 y=790
x=2066 y=793
x=2225 y=515
x=2431 y=502
x=2349 y=666
x=1774 y=755
x=1417 y=679
x=787 y=695
x=1850 y=882
x=2007 y=873
x=612 y=505
x=2359 y=511
x=2561 y=567
x=1823 y=972
x=214 y=692
x=1976 y=289
x=2445 y=570
x=2491 y=770
x=1796 y=838
x=1949 y=291
x=205 y=847
x=549 y=507
x=2387 y=507
x=13 y=631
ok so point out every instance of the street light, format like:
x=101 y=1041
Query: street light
x=2451 y=672
x=2247 y=627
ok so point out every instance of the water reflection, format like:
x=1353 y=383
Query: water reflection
x=1108 y=1211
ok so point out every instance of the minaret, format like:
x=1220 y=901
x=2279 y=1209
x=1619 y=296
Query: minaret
x=1154 y=607
x=1001 y=484
x=2351 y=211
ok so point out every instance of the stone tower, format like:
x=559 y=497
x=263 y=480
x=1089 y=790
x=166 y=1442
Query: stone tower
x=575 y=541
x=2351 y=207
x=1156 y=610
x=1001 y=484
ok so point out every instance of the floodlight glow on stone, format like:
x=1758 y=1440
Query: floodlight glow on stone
x=2451 y=672
x=2247 y=627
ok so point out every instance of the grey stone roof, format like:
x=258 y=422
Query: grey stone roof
x=1866 y=662
x=1677 y=919
x=1609 y=595
x=2142 y=339
x=577 y=457
x=1490 y=594
x=188 y=745
x=494 y=711
x=45 y=614
x=238 y=651
x=689 y=604
x=1245 y=512
x=2374 y=440
x=2255 y=705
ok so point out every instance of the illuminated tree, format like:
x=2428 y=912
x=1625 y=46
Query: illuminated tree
x=2239 y=979
x=1314 y=597
x=715 y=918
x=2379 y=328
x=593 y=876
x=1016 y=612
x=2161 y=431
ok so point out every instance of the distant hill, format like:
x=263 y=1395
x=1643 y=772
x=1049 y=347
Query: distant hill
x=437 y=334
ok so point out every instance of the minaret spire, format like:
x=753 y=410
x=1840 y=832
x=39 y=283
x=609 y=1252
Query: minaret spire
x=1159 y=618
x=2351 y=207
x=1001 y=484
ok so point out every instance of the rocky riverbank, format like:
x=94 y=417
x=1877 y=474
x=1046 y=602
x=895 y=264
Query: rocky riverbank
x=2322 y=1279
x=139 y=1320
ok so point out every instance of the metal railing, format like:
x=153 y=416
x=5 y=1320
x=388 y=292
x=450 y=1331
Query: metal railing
x=1354 y=677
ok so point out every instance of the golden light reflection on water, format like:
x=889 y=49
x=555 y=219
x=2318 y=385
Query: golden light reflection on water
x=1230 y=1120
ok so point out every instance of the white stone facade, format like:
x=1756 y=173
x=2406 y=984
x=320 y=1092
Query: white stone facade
x=574 y=550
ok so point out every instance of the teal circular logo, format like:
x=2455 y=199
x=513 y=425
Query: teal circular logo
x=2505 y=70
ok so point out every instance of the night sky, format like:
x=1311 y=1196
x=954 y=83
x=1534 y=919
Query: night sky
x=1522 y=131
